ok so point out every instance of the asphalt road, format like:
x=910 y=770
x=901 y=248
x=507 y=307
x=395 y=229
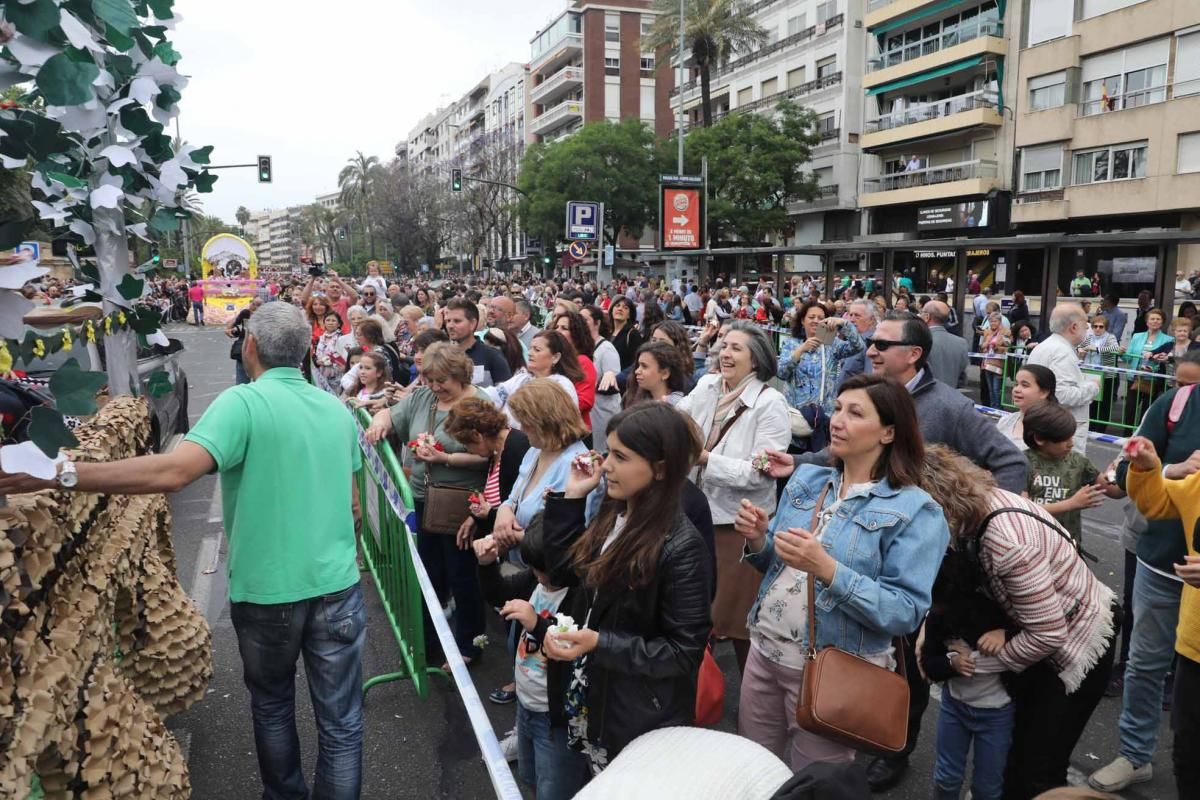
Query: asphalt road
x=424 y=748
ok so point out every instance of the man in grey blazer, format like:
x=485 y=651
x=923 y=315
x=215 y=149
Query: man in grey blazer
x=948 y=360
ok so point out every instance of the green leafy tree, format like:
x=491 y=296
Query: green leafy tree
x=714 y=31
x=355 y=180
x=755 y=169
x=617 y=164
x=242 y=215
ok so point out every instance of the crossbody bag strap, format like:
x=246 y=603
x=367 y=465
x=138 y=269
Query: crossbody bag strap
x=728 y=424
x=432 y=432
x=812 y=592
x=1050 y=523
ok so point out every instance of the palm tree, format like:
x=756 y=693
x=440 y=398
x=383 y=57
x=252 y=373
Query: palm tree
x=355 y=181
x=242 y=215
x=714 y=30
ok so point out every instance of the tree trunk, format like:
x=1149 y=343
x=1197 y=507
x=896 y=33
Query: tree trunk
x=112 y=260
x=705 y=95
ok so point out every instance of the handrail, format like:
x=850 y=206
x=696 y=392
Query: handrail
x=939 y=41
x=942 y=173
x=1123 y=101
x=936 y=109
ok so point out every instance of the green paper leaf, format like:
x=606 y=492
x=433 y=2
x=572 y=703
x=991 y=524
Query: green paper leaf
x=118 y=40
x=145 y=320
x=117 y=13
x=130 y=287
x=64 y=81
x=167 y=54
x=164 y=221
x=138 y=122
x=204 y=181
x=12 y=233
x=49 y=432
x=93 y=297
x=34 y=19
x=161 y=8
x=24 y=351
x=167 y=97
x=201 y=155
x=159 y=384
x=90 y=271
x=70 y=181
x=74 y=390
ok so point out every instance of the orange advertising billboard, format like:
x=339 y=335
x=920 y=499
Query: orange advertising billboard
x=682 y=218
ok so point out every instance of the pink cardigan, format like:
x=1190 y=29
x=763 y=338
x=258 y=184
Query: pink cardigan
x=1064 y=613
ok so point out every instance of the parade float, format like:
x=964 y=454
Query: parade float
x=229 y=276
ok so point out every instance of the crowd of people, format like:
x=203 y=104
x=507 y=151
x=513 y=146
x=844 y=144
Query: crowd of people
x=665 y=467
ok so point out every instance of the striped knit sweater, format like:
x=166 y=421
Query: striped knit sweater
x=1063 y=612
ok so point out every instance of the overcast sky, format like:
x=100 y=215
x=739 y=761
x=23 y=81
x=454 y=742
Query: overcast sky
x=310 y=83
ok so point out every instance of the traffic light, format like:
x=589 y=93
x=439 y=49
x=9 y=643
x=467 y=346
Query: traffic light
x=264 y=169
x=547 y=260
x=456 y=180
x=341 y=233
x=155 y=258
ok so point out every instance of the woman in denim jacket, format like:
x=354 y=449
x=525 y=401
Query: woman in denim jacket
x=810 y=368
x=875 y=552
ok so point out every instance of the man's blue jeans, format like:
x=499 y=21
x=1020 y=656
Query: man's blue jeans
x=991 y=730
x=329 y=632
x=1151 y=651
x=544 y=760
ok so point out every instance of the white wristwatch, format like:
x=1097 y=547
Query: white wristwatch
x=67 y=476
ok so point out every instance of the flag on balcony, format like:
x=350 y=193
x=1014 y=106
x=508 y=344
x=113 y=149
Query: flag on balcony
x=1107 y=101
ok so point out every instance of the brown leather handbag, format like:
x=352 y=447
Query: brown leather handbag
x=446 y=507
x=847 y=699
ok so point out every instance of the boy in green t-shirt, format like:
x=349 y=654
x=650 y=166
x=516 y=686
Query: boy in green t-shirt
x=1063 y=481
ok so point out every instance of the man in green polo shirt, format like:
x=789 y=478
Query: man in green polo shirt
x=279 y=444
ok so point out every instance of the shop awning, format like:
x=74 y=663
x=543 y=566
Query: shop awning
x=921 y=13
x=955 y=66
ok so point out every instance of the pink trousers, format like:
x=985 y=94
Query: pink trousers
x=767 y=715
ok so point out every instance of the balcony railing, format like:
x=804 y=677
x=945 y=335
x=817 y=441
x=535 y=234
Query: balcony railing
x=749 y=58
x=796 y=91
x=1120 y=102
x=965 y=32
x=877 y=4
x=829 y=134
x=571 y=40
x=558 y=115
x=567 y=77
x=929 y=176
x=1040 y=196
x=937 y=109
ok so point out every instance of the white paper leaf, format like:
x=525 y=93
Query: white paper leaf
x=118 y=156
x=12 y=163
x=78 y=33
x=161 y=74
x=55 y=214
x=85 y=230
x=27 y=458
x=88 y=121
x=10 y=76
x=80 y=291
x=29 y=52
x=138 y=230
x=158 y=337
x=17 y=275
x=172 y=175
x=117 y=105
x=143 y=90
x=104 y=81
x=13 y=307
x=107 y=197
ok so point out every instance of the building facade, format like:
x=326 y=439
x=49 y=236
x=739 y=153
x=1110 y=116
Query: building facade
x=812 y=58
x=589 y=64
x=1108 y=134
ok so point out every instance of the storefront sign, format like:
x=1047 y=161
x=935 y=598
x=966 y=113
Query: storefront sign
x=681 y=218
x=1134 y=269
x=973 y=214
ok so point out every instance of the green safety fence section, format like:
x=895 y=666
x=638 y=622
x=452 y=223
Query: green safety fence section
x=387 y=550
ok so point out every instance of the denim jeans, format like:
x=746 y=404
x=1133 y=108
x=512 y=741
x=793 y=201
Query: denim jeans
x=991 y=729
x=198 y=313
x=329 y=631
x=1185 y=721
x=453 y=574
x=995 y=383
x=239 y=373
x=544 y=761
x=1151 y=651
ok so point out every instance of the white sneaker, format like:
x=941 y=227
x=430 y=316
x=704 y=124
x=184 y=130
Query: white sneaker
x=1120 y=774
x=508 y=746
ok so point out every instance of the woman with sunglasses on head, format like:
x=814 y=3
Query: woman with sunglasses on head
x=552 y=356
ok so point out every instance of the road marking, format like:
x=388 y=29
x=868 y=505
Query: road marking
x=202 y=581
x=214 y=505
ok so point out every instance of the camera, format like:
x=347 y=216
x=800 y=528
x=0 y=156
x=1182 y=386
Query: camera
x=316 y=271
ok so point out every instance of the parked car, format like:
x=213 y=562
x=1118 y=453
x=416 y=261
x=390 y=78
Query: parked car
x=168 y=411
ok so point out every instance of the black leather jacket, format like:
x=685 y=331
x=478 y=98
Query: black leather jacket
x=642 y=674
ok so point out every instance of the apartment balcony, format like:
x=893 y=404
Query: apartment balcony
x=931 y=183
x=961 y=48
x=937 y=118
x=771 y=100
x=826 y=197
x=565 y=80
x=568 y=47
x=1043 y=206
x=556 y=116
x=881 y=11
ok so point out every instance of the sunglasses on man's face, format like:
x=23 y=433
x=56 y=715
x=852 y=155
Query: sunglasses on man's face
x=883 y=344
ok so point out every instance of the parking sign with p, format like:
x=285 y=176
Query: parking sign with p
x=585 y=220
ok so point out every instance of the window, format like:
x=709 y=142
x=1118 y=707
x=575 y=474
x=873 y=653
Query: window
x=1115 y=163
x=826 y=67
x=795 y=77
x=1049 y=19
x=827 y=126
x=612 y=27
x=1047 y=91
x=612 y=66
x=647 y=67
x=1189 y=153
x=1041 y=168
x=647 y=24
x=824 y=176
x=1187 y=63
x=1128 y=78
x=795 y=25
x=826 y=10
x=746 y=96
x=1094 y=8
x=769 y=87
x=971 y=23
x=647 y=102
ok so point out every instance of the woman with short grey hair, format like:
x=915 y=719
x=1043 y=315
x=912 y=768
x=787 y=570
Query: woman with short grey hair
x=738 y=415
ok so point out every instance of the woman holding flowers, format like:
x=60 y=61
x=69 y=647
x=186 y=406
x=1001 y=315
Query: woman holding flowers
x=438 y=457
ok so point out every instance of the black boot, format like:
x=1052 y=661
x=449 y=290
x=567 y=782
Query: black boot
x=885 y=772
